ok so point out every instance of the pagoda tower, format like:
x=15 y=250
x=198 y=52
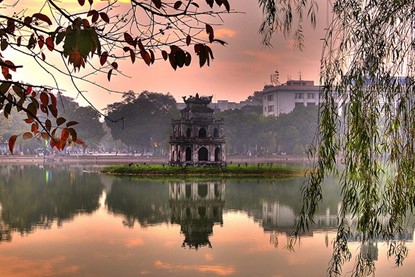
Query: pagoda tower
x=197 y=138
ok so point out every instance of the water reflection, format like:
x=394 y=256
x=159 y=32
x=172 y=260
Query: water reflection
x=197 y=207
x=33 y=197
x=97 y=224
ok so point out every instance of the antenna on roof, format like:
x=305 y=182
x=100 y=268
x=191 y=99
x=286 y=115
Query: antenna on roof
x=274 y=78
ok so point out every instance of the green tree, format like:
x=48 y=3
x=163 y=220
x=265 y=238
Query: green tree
x=367 y=70
x=76 y=42
x=90 y=128
x=146 y=120
x=247 y=131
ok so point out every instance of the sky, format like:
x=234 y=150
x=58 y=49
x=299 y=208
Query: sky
x=239 y=69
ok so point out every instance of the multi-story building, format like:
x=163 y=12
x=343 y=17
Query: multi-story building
x=284 y=98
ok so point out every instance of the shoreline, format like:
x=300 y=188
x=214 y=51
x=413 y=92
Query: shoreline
x=121 y=159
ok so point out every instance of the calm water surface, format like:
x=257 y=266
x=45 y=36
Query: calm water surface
x=64 y=221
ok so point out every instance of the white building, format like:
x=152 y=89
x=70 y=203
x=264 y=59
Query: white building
x=284 y=98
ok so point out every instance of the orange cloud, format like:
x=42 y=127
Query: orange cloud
x=215 y=269
x=224 y=33
x=19 y=267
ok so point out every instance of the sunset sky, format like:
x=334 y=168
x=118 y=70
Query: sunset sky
x=239 y=68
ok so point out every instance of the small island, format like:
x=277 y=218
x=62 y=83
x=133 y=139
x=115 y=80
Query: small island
x=265 y=170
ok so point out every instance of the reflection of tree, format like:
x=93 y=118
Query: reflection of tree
x=32 y=197
x=139 y=200
x=196 y=206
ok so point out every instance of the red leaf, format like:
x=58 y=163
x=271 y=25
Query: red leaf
x=65 y=134
x=27 y=135
x=86 y=23
x=210 y=3
x=42 y=17
x=27 y=20
x=48 y=125
x=152 y=57
x=146 y=57
x=90 y=2
x=132 y=55
x=29 y=90
x=210 y=32
x=104 y=17
x=40 y=42
x=50 y=44
x=71 y=123
x=227 y=6
x=53 y=143
x=43 y=56
x=44 y=98
x=164 y=54
x=35 y=128
x=19 y=41
x=12 y=141
x=53 y=99
x=53 y=110
x=220 y=41
x=114 y=65
x=188 y=40
x=157 y=3
x=60 y=121
x=81 y=2
x=140 y=45
x=195 y=4
x=44 y=135
x=103 y=58
x=109 y=75
x=129 y=39
x=177 y=4
x=94 y=14
x=29 y=120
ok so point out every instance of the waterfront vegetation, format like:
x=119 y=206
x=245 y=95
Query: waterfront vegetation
x=268 y=170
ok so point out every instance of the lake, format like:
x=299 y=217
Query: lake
x=65 y=220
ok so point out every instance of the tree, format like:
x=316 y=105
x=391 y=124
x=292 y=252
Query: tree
x=247 y=130
x=146 y=120
x=93 y=37
x=367 y=70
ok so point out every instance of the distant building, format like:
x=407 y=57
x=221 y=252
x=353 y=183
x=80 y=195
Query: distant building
x=197 y=138
x=284 y=98
x=223 y=105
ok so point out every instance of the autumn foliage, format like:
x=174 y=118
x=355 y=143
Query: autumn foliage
x=95 y=36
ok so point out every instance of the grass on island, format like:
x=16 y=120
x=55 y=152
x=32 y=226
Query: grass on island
x=231 y=170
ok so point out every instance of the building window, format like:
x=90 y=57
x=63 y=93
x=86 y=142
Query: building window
x=270 y=97
x=271 y=108
x=299 y=96
x=310 y=95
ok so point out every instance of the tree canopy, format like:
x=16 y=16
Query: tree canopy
x=146 y=120
x=81 y=39
x=366 y=124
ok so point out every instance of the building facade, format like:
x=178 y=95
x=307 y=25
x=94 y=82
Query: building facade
x=284 y=98
x=197 y=137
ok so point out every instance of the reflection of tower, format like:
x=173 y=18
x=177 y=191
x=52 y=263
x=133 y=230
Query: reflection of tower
x=196 y=206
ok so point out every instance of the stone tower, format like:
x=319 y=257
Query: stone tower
x=197 y=138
